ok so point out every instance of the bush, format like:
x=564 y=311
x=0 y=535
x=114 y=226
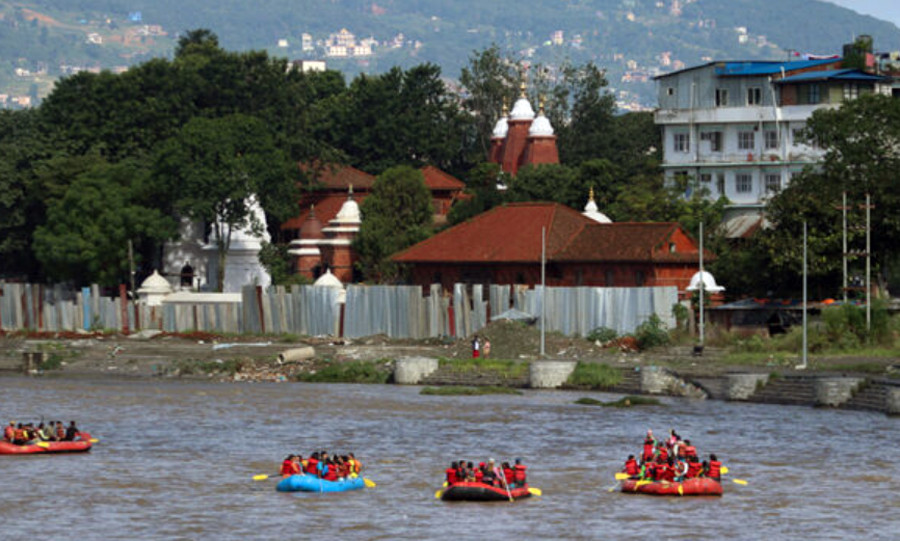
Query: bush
x=681 y=314
x=652 y=333
x=594 y=376
x=602 y=335
x=350 y=372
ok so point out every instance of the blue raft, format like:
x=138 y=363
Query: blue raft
x=311 y=483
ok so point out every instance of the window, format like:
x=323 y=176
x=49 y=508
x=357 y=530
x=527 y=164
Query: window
x=706 y=179
x=639 y=278
x=773 y=183
x=672 y=248
x=771 y=139
x=743 y=183
x=714 y=138
x=670 y=91
x=812 y=94
x=746 y=140
x=720 y=183
x=721 y=97
x=754 y=96
x=682 y=142
x=851 y=91
x=609 y=278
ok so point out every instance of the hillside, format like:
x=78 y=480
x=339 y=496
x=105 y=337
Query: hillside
x=633 y=39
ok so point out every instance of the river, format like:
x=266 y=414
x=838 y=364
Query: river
x=175 y=461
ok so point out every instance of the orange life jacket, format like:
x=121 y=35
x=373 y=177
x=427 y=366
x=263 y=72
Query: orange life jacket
x=20 y=434
x=631 y=467
x=715 y=469
x=519 y=473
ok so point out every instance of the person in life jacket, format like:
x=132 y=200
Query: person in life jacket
x=60 y=431
x=509 y=473
x=520 y=478
x=479 y=472
x=9 y=433
x=451 y=473
x=674 y=438
x=694 y=468
x=312 y=464
x=19 y=437
x=289 y=466
x=71 y=432
x=689 y=450
x=666 y=470
x=487 y=476
x=355 y=465
x=631 y=466
x=330 y=471
x=651 y=471
x=649 y=445
x=662 y=454
x=714 y=470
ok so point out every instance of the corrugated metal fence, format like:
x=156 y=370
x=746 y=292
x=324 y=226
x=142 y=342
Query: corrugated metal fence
x=395 y=311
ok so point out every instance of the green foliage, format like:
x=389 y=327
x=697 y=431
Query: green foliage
x=490 y=81
x=277 y=262
x=594 y=376
x=602 y=335
x=396 y=215
x=500 y=367
x=624 y=402
x=481 y=183
x=651 y=333
x=845 y=325
x=454 y=390
x=194 y=367
x=349 y=372
x=681 y=314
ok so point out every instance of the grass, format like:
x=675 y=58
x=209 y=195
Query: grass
x=456 y=390
x=624 y=402
x=862 y=367
x=189 y=367
x=594 y=376
x=501 y=367
x=349 y=372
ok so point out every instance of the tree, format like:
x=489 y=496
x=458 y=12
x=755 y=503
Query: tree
x=547 y=182
x=217 y=167
x=396 y=215
x=481 y=184
x=86 y=235
x=586 y=133
x=489 y=80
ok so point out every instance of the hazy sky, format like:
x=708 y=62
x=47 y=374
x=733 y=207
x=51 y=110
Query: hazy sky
x=888 y=10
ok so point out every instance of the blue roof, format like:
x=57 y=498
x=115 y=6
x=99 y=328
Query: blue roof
x=767 y=68
x=839 y=75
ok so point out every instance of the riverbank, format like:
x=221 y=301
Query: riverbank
x=852 y=381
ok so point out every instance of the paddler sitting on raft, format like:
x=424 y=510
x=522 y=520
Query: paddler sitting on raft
x=291 y=466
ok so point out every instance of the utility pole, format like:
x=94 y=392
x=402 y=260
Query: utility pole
x=868 y=264
x=702 y=285
x=543 y=285
x=844 y=212
x=804 y=355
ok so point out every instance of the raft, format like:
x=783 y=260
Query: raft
x=81 y=445
x=480 y=492
x=311 y=483
x=698 y=486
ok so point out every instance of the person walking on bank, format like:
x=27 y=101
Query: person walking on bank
x=486 y=348
x=476 y=347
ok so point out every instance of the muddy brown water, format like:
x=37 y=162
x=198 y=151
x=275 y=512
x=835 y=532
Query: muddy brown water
x=175 y=461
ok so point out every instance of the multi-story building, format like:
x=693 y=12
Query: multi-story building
x=736 y=127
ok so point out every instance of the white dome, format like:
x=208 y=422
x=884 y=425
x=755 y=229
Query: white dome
x=501 y=128
x=593 y=212
x=540 y=127
x=328 y=280
x=709 y=283
x=522 y=110
x=155 y=283
x=349 y=213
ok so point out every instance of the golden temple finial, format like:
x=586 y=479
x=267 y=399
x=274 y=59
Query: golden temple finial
x=591 y=194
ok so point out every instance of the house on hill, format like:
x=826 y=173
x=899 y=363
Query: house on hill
x=503 y=246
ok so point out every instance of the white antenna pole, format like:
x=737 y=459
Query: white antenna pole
x=803 y=366
x=702 y=284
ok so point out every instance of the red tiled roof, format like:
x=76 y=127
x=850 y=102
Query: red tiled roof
x=338 y=177
x=512 y=234
x=509 y=233
x=436 y=179
x=327 y=207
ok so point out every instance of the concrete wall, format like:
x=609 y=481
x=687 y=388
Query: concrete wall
x=833 y=392
x=742 y=386
x=656 y=380
x=550 y=374
x=412 y=370
x=893 y=401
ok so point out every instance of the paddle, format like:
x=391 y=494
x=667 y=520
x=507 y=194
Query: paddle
x=724 y=469
x=621 y=476
x=438 y=494
x=508 y=493
x=739 y=481
x=369 y=483
x=44 y=444
x=535 y=491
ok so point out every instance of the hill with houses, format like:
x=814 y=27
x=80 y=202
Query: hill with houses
x=634 y=40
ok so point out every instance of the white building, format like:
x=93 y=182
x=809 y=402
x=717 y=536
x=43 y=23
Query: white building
x=735 y=126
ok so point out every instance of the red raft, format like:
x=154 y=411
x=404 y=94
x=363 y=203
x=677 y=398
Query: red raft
x=480 y=492
x=81 y=445
x=699 y=486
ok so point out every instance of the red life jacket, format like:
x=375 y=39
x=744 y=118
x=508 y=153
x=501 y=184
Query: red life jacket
x=690 y=451
x=9 y=433
x=715 y=469
x=20 y=434
x=479 y=475
x=663 y=454
x=312 y=466
x=332 y=474
x=451 y=476
x=288 y=468
x=666 y=473
x=648 y=450
x=693 y=469
x=631 y=467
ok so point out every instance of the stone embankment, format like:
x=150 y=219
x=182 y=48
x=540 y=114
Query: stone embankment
x=819 y=390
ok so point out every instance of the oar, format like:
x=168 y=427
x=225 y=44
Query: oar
x=94 y=440
x=369 y=483
x=739 y=481
x=535 y=491
x=261 y=477
x=438 y=494
x=621 y=476
x=723 y=469
x=44 y=444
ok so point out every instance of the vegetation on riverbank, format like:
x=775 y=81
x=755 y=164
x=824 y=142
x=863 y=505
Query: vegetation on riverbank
x=457 y=390
x=594 y=376
x=500 y=367
x=194 y=367
x=624 y=402
x=328 y=371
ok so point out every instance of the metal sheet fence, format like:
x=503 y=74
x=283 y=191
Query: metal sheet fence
x=395 y=311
